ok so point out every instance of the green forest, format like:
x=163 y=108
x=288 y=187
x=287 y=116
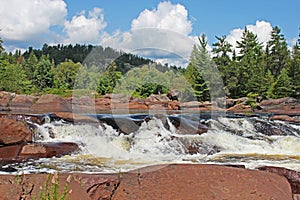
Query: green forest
x=254 y=71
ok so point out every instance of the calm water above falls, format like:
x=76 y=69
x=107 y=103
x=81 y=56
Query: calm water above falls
x=125 y=142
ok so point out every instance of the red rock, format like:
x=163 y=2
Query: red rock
x=240 y=108
x=285 y=118
x=285 y=106
x=47 y=150
x=158 y=97
x=51 y=103
x=272 y=102
x=15 y=153
x=12 y=131
x=102 y=104
x=292 y=176
x=227 y=102
x=73 y=117
x=22 y=101
x=81 y=186
x=157 y=182
x=9 y=153
x=83 y=104
x=201 y=182
x=190 y=104
x=5 y=98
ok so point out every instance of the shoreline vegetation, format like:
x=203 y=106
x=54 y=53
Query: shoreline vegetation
x=255 y=71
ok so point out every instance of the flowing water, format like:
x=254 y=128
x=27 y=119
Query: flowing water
x=120 y=143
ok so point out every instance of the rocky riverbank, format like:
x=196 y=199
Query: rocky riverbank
x=15 y=103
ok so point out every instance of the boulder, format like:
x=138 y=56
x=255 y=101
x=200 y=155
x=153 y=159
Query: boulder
x=102 y=104
x=240 y=109
x=157 y=97
x=184 y=126
x=13 y=132
x=72 y=117
x=9 y=154
x=5 y=98
x=227 y=102
x=283 y=106
x=22 y=152
x=201 y=182
x=292 y=176
x=84 y=104
x=51 y=103
x=22 y=101
x=285 y=118
x=174 y=94
x=47 y=150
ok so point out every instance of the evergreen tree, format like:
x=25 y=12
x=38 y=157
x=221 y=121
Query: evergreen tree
x=282 y=86
x=249 y=69
x=30 y=65
x=108 y=79
x=294 y=71
x=193 y=72
x=43 y=74
x=222 y=59
x=278 y=54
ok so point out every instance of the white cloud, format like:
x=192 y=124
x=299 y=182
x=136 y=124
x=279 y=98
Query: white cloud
x=25 y=20
x=262 y=29
x=165 y=28
x=166 y=16
x=85 y=29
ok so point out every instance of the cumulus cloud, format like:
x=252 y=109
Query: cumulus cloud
x=163 y=29
x=25 y=20
x=85 y=29
x=262 y=29
x=166 y=16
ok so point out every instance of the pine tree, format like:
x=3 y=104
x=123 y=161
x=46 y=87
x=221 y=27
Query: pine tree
x=222 y=59
x=249 y=64
x=278 y=54
x=194 y=71
x=294 y=71
x=282 y=86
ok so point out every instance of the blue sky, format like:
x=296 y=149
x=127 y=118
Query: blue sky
x=113 y=22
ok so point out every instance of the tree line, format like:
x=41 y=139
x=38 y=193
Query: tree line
x=272 y=71
x=252 y=70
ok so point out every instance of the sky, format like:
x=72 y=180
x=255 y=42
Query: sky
x=139 y=26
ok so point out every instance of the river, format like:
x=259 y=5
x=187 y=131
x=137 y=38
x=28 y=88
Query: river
x=122 y=142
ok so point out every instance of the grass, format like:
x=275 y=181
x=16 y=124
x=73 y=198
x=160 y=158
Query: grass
x=51 y=191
